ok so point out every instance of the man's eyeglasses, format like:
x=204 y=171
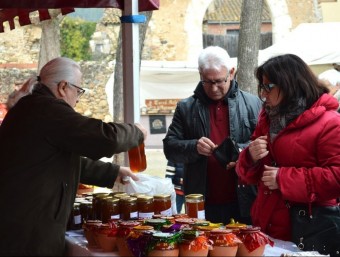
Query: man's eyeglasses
x=218 y=83
x=267 y=87
x=80 y=91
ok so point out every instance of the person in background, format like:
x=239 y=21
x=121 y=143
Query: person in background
x=331 y=78
x=294 y=157
x=174 y=171
x=47 y=148
x=217 y=111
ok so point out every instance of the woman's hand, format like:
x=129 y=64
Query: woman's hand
x=124 y=173
x=258 y=148
x=269 y=177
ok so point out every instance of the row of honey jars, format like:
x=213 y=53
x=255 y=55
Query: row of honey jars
x=104 y=207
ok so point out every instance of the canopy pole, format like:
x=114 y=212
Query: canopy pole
x=131 y=61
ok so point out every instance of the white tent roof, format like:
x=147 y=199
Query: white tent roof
x=315 y=43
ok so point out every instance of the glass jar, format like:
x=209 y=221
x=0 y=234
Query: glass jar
x=128 y=208
x=194 y=243
x=225 y=242
x=162 y=204
x=90 y=228
x=110 y=209
x=74 y=221
x=106 y=237
x=96 y=205
x=124 y=230
x=194 y=206
x=253 y=241
x=139 y=239
x=86 y=211
x=164 y=244
x=145 y=206
x=137 y=158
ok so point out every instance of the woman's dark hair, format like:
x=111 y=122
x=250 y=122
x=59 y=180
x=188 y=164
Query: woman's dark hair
x=294 y=78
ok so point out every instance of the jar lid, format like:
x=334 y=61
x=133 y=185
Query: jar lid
x=122 y=195
x=143 y=228
x=220 y=231
x=250 y=229
x=144 y=198
x=162 y=235
x=194 y=197
x=155 y=221
x=161 y=196
x=112 y=200
x=128 y=200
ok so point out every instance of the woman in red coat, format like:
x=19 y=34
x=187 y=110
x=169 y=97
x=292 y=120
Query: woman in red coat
x=294 y=157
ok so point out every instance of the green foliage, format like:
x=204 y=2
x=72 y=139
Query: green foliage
x=75 y=37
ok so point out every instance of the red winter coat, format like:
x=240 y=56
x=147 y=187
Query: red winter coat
x=308 y=154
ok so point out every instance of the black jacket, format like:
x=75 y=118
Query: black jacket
x=43 y=142
x=191 y=122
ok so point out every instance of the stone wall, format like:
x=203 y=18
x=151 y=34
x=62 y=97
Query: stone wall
x=93 y=103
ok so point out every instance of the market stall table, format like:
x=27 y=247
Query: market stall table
x=76 y=245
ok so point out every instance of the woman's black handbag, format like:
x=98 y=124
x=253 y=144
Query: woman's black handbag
x=319 y=231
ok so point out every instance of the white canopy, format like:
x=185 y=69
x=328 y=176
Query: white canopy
x=315 y=43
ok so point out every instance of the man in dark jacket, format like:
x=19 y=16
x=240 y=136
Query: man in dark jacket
x=44 y=142
x=218 y=113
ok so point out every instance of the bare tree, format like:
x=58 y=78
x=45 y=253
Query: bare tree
x=118 y=79
x=50 y=38
x=248 y=46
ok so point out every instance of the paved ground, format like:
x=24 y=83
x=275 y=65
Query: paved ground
x=156 y=162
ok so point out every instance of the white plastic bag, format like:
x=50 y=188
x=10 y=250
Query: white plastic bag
x=152 y=185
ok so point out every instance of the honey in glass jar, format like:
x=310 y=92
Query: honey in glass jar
x=137 y=158
x=128 y=208
x=194 y=206
x=162 y=204
x=145 y=206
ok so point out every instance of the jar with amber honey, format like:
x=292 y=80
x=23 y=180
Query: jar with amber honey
x=110 y=209
x=128 y=208
x=194 y=206
x=162 y=204
x=164 y=244
x=145 y=206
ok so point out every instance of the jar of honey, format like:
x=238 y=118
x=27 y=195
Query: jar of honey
x=124 y=230
x=90 y=228
x=145 y=206
x=110 y=209
x=86 y=211
x=74 y=222
x=106 y=236
x=128 y=208
x=253 y=241
x=137 y=158
x=194 y=243
x=139 y=238
x=194 y=206
x=162 y=204
x=164 y=244
x=225 y=242
x=96 y=205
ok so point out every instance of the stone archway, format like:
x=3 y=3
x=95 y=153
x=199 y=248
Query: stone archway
x=281 y=21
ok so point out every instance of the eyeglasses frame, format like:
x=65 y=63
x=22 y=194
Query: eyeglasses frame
x=80 y=91
x=267 y=87
x=218 y=82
